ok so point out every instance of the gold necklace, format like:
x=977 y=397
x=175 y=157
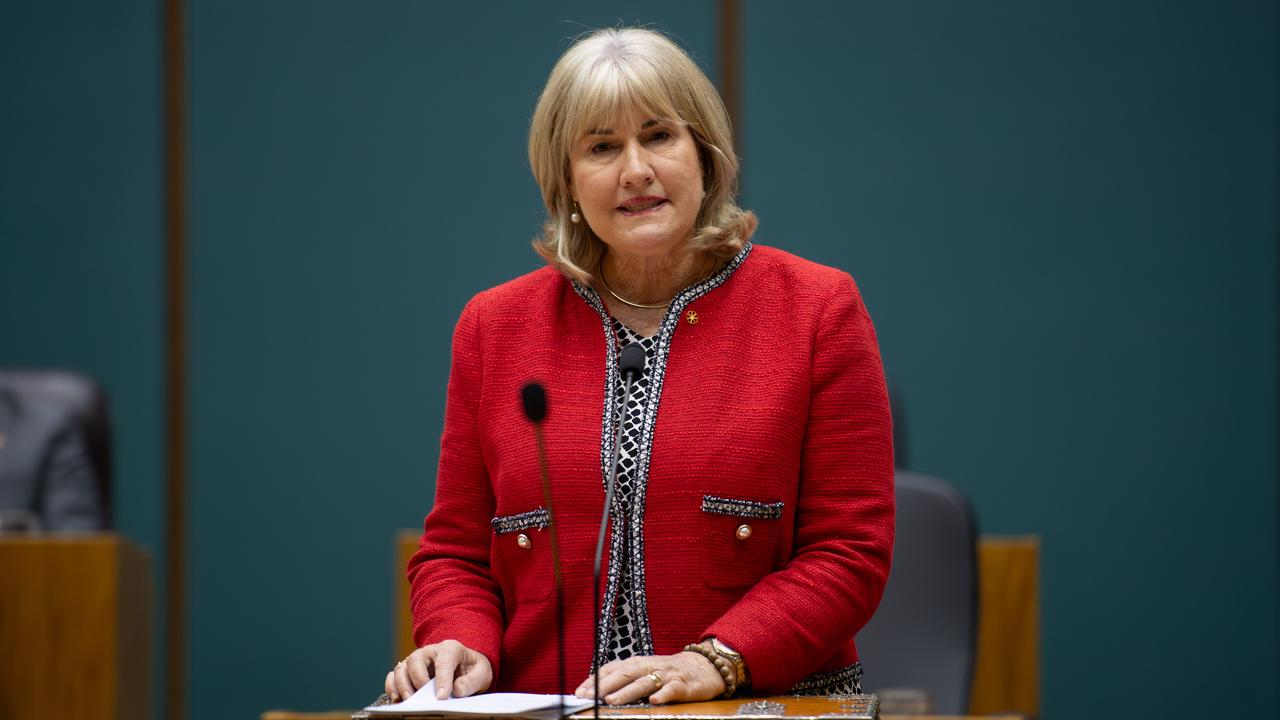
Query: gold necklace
x=625 y=301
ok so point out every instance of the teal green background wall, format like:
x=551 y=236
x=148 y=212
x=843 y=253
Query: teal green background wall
x=81 y=283
x=80 y=264
x=1063 y=217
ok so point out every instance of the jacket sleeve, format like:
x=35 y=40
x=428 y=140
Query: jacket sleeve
x=797 y=617
x=453 y=594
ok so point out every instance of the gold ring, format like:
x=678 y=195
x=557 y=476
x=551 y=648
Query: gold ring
x=656 y=678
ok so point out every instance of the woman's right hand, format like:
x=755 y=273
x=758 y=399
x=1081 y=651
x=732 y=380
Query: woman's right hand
x=459 y=671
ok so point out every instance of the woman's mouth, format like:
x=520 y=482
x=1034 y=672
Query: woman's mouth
x=641 y=205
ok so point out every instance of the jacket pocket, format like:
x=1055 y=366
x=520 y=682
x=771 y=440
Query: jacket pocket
x=522 y=552
x=740 y=540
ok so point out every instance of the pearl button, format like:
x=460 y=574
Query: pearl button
x=744 y=532
x=523 y=541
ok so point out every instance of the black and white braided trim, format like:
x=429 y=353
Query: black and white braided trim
x=741 y=508
x=538 y=519
x=845 y=681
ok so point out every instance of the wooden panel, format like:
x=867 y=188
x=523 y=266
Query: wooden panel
x=135 y=598
x=1007 y=673
x=730 y=65
x=74 y=619
x=290 y=715
x=406 y=546
x=177 y=349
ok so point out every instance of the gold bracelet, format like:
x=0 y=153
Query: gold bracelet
x=723 y=666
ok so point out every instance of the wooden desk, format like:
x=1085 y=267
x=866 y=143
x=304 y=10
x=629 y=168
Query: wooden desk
x=75 y=621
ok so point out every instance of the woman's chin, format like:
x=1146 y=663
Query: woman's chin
x=649 y=240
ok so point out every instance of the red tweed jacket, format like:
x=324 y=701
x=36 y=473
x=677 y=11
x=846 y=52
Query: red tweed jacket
x=771 y=412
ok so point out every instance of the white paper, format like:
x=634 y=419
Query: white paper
x=424 y=701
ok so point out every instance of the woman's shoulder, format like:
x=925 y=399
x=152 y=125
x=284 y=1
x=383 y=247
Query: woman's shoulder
x=789 y=272
x=532 y=289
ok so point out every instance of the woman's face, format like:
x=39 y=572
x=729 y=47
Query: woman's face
x=638 y=183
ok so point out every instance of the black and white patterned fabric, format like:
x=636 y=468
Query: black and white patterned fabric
x=845 y=681
x=622 y=641
x=626 y=542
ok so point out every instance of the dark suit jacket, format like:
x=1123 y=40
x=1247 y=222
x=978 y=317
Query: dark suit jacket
x=45 y=461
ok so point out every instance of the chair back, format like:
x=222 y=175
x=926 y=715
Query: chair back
x=923 y=636
x=50 y=399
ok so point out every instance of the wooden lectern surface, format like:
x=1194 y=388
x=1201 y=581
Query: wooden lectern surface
x=786 y=707
x=765 y=708
x=791 y=708
x=347 y=714
x=75 y=615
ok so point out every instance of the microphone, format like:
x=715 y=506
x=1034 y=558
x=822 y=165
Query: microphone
x=630 y=366
x=534 y=400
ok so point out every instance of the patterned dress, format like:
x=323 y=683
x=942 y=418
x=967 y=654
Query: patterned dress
x=622 y=640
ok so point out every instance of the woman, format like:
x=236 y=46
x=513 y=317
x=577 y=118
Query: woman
x=753 y=526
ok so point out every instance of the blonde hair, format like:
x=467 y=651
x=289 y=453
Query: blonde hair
x=601 y=76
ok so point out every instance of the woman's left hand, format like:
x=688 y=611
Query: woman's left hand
x=683 y=677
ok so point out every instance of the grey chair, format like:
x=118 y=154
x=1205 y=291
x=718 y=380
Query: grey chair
x=924 y=634
x=55 y=449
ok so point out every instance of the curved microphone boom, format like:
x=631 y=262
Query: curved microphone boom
x=630 y=366
x=534 y=400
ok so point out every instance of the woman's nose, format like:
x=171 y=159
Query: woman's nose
x=636 y=170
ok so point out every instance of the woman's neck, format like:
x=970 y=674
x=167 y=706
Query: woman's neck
x=653 y=280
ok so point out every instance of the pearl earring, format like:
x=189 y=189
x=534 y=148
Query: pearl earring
x=574 y=217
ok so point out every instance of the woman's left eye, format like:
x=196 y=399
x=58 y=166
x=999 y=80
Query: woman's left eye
x=660 y=136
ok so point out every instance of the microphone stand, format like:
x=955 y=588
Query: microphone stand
x=534 y=399
x=555 y=559
x=630 y=365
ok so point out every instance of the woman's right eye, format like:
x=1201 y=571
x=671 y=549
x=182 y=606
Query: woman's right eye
x=600 y=147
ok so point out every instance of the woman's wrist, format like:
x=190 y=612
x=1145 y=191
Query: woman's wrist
x=727 y=663
x=742 y=678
